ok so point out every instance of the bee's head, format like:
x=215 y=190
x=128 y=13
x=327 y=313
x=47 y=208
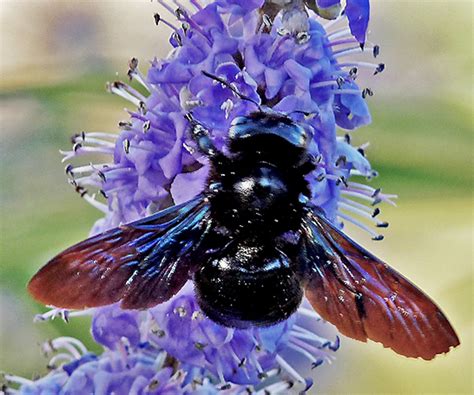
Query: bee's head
x=270 y=133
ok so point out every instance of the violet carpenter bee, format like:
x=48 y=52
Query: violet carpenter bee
x=253 y=245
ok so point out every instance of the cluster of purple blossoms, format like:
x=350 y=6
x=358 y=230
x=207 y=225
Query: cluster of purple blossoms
x=228 y=58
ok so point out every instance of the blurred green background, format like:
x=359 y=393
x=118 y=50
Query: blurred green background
x=55 y=59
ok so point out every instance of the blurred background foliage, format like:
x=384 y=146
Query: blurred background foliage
x=56 y=57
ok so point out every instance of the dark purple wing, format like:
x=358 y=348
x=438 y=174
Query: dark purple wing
x=142 y=264
x=366 y=299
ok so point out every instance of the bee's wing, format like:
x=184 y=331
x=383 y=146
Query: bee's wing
x=142 y=264
x=366 y=299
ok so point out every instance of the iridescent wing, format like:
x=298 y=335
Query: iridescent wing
x=142 y=264
x=365 y=298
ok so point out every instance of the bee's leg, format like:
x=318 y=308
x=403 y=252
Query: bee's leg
x=201 y=136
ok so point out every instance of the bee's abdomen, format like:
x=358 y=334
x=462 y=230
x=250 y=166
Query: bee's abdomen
x=246 y=288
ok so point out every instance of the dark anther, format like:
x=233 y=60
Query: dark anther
x=80 y=190
x=317 y=363
x=68 y=170
x=118 y=84
x=102 y=192
x=74 y=138
x=146 y=126
x=179 y=13
x=340 y=82
x=267 y=21
x=225 y=387
x=126 y=146
x=291 y=384
x=199 y=346
x=376 y=212
x=376 y=51
x=376 y=192
x=380 y=68
x=142 y=107
x=367 y=92
x=175 y=36
x=76 y=146
x=342 y=160
x=353 y=73
x=125 y=125
x=133 y=64
x=185 y=26
x=242 y=362
x=83 y=135
x=157 y=18
x=309 y=384
x=361 y=151
x=342 y=180
x=153 y=384
x=378 y=238
x=382 y=225
x=347 y=138
x=320 y=177
x=189 y=117
x=262 y=375
x=362 y=46
x=376 y=201
x=101 y=176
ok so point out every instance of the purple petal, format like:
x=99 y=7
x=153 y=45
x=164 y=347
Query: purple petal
x=187 y=185
x=358 y=13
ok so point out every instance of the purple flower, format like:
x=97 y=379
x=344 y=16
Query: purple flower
x=154 y=162
x=227 y=60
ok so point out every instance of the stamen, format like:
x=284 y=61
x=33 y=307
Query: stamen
x=309 y=313
x=275 y=389
x=196 y=4
x=289 y=369
x=324 y=84
x=62 y=313
x=254 y=360
x=17 y=380
x=53 y=362
x=377 y=67
x=301 y=350
x=304 y=333
x=98 y=205
x=362 y=214
x=81 y=151
x=338 y=34
x=375 y=236
x=118 y=88
x=98 y=142
x=342 y=42
x=333 y=22
x=159 y=19
x=346 y=92
x=167 y=7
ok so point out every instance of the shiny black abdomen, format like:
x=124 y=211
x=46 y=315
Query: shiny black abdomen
x=248 y=286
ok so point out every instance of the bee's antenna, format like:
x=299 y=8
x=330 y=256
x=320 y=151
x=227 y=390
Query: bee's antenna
x=231 y=87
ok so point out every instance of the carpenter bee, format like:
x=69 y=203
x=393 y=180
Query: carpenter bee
x=253 y=245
